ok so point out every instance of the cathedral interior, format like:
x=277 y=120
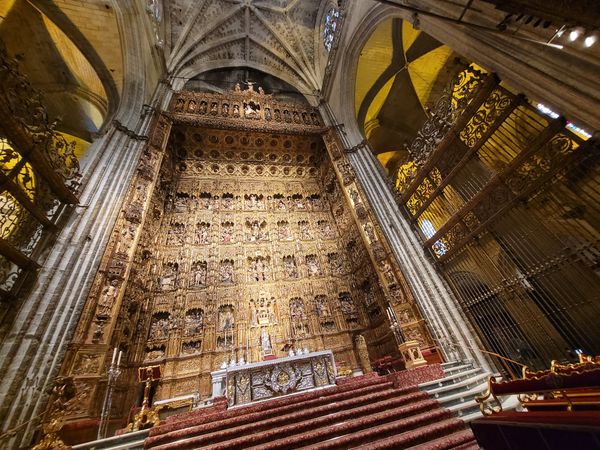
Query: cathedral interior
x=211 y=207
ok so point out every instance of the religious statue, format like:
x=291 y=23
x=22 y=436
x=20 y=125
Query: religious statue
x=159 y=328
x=199 y=272
x=203 y=106
x=312 y=265
x=227 y=233
x=107 y=298
x=304 y=230
x=168 y=278
x=226 y=272
x=194 y=320
x=289 y=266
x=202 y=233
x=284 y=231
x=265 y=342
x=322 y=307
x=335 y=263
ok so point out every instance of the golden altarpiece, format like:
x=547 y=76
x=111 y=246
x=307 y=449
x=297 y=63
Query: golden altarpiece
x=243 y=220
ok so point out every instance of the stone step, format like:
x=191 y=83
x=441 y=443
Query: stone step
x=128 y=441
x=466 y=384
x=456 y=369
x=450 y=379
x=231 y=429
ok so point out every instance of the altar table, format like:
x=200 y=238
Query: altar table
x=262 y=380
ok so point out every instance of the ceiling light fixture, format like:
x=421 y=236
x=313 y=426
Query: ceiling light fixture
x=573 y=35
x=590 y=40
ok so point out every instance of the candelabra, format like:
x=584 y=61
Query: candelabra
x=113 y=373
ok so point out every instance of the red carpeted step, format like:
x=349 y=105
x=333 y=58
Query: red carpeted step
x=298 y=422
x=331 y=403
x=460 y=440
x=253 y=423
x=375 y=425
x=371 y=440
x=358 y=386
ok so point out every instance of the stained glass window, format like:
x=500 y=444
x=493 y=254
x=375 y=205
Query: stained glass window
x=331 y=21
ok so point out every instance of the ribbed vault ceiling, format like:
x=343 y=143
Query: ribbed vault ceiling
x=279 y=37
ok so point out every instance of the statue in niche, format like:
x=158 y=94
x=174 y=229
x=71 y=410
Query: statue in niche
x=322 y=306
x=304 y=227
x=277 y=115
x=180 y=104
x=347 y=306
x=286 y=115
x=297 y=311
x=236 y=110
x=205 y=201
x=256 y=231
x=225 y=109
x=354 y=196
x=263 y=311
x=258 y=268
x=405 y=316
x=396 y=295
x=226 y=271
x=107 y=297
x=265 y=342
x=254 y=202
x=387 y=271
x=181 y=202
x=168 y=279
x=199 y=271
x=305 y=118
x=284 y=232
x=312 y=266
x=192 y=347
x=252 y=110
x=369 y=231
x=194 y=321
x=227 y=202
x=226 y=318
x=298 y=202
x=280 y=204
x=201 y=233
x=191 y=106
x=335 y=263
x=159 y=328
x=289 y=266
x=203 y=107
x=154 y=353
x=315 y=119
x=227 y=233
x=176 y=234
x=325 y=229
x=213 y=108
x=267 y=113
x=296 y=116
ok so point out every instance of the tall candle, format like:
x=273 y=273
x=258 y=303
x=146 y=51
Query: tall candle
x=119 y=359
x=114 y=356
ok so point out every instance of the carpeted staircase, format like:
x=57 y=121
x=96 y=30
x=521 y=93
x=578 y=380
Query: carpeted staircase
x=367 y=412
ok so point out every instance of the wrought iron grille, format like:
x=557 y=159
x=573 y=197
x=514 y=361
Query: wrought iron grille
x=39 y=174
x=507 y=201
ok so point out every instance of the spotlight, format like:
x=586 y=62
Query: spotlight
x=590 y=40
x=573 y=35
